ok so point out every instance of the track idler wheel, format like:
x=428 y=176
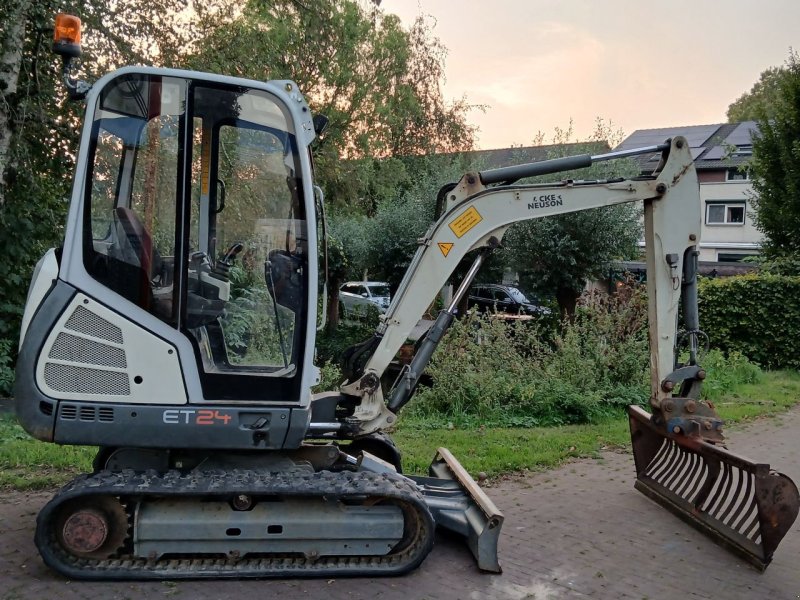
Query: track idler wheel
x=92 y=527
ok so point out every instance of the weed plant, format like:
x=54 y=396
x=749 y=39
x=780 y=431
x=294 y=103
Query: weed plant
x=489 y=372
x=726 y=372
x=331 y=345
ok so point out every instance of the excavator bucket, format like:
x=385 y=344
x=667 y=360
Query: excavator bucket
x=741 y=504
x=458 y=504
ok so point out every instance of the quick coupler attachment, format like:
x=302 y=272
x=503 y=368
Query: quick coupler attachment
x=459 y=504
x=741 y=504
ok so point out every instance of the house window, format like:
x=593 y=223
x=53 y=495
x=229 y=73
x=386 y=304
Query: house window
x=732 y=256
x=735 y=174
x=725 y=213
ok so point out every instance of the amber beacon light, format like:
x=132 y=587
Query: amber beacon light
x=67 y=36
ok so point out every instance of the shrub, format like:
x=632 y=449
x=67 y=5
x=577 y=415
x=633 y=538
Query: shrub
x=330 y=378
x=724 y=373
x=606 y=345
x=757 y=315
x=500 y=373
x=488 y=372
x=332 y=344
x=6 y=367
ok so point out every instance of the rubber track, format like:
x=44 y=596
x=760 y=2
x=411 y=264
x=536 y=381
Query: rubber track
x=131 y=486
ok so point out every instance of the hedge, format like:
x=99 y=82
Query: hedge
x=756 y=314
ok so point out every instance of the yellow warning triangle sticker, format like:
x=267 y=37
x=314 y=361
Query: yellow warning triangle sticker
x=445 y=247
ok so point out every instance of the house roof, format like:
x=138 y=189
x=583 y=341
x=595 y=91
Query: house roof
x=716 y=146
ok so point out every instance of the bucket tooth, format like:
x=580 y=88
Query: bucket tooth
x=459 y=504
x=741 y=504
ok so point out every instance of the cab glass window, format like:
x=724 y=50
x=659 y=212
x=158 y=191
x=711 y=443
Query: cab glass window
x=131 y=199
x=251 y=225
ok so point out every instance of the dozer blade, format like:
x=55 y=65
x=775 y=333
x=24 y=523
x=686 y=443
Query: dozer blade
x=741 y=504
x=459 y=504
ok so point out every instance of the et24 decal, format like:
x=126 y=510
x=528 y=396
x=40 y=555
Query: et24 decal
x=195 y=417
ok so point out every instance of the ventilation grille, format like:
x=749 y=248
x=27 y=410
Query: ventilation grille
x=76 y=349
x=82 y=364
x=85 y=321
x=82 y=380
x=105 y=414
x=71 y=412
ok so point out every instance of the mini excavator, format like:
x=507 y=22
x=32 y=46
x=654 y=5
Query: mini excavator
x=175 y=331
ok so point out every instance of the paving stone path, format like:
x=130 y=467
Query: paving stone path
x=580 y=531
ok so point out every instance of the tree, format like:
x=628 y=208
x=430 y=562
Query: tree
x=32 y=111
x=347 y=257
x=775 y=167
x=379 y=84
x=400 y=221
x=39 y=129
x=761 y=96
x=558 y=255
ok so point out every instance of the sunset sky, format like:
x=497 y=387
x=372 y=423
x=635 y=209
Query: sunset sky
x=638 y=64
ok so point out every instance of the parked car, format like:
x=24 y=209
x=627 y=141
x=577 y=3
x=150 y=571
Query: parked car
x=357 y=296
x=504 y=299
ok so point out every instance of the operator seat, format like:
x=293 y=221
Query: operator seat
x=136 y=242
x=136 y=248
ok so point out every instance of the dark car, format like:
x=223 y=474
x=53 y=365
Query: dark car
x=503 y=299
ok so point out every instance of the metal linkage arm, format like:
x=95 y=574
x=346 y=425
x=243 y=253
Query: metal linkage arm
x=509 y=175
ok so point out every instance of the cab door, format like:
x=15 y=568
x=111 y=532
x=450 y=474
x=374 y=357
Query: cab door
x=195 y=210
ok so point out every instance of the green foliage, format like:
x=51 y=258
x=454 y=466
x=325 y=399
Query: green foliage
x=26 y=463
x=332 y=344
x=378 y=83
x=555 y=256
x=496 y=451
x=756 y=315
x=6 y=367
x=751 y=105
x=36 y=226
x=489 y=372
x=351 y=233
x=330 y=378
x=779 y=265
x=775 y=167
x=480 y=447
x=383 y=245
x=393 y=234
x=605 y=347
x=501 y=373
x=772 y=393
x=725 y=373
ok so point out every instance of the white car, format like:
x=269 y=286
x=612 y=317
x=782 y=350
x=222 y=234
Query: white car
x=356 y=296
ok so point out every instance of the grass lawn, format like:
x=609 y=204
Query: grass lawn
x=29 y=464
x=496 y=451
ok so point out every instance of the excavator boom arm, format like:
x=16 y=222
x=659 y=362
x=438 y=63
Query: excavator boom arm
x=477 y=216
x=679 y=462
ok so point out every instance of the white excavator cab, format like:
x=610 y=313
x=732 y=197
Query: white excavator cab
x=189 y=214
x=186 y=175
